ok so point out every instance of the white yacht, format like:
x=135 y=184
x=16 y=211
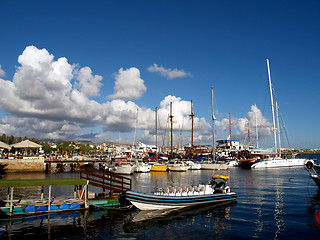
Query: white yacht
x=176 y=165
x=193 y=165
x=274 y=159
x=213 y=165
x=279 y=162
x=142 y=167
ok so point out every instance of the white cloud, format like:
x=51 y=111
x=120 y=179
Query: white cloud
x=168 y=73
x=2 y=72
x=240 y=126
x=88 y=84
x=50 y=98
x=128 y=84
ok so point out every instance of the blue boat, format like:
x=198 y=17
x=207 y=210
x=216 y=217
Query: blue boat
x=216 y=191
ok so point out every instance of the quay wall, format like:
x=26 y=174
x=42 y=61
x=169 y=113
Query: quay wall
x=23 y=165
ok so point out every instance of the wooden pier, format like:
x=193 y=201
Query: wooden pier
x=105 y=180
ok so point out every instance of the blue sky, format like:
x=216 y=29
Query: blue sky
x=81 y=69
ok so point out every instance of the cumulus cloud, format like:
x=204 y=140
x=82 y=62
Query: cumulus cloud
x=88 y=84
x=2 y=72
x=168 y=73
x=55 y=94
x=128 y=84
x=254 y=120
x=50 y=98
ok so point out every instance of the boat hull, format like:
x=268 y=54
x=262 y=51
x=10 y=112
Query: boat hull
x=214 y=166
x=280 y=163
x=123 y=169
x=159 y=168
x=247 y=163
x=145 y=201
x=316 y=179
x=143 y=168
x=177 y=168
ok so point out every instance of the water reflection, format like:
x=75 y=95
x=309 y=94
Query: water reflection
x=211 y=216
x=78 y=224
x=271 y=204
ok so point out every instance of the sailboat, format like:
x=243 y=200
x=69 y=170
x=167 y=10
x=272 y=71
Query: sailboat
x=213 y=164
x=274 y=158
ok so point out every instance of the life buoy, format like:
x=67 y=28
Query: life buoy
x=227 y=189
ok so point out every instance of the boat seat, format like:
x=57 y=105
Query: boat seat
x=179 y=189
x=173 y=190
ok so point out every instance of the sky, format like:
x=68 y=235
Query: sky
x=97 y=70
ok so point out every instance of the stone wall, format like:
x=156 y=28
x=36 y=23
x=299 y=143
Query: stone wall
x=24 y=165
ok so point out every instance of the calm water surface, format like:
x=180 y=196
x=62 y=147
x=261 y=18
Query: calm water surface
x=271 y=204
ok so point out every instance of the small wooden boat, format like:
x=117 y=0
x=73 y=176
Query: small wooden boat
x=166 y=198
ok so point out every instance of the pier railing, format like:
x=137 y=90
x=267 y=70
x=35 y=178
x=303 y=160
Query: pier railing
x=105 y=180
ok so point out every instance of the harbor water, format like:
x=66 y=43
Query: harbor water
x=275 y=203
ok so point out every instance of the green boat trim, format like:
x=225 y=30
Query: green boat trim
x=42 y=182
x=13 y=183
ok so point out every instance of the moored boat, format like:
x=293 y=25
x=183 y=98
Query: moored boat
x=313 y=172
x=246 y=162
x=123 y=168
x=279 y=162
x=317 y=220
x=193 y=165
x=142 y=167
x=213 y=165
x=158 y=167
x=177 y=166
x=179 y=197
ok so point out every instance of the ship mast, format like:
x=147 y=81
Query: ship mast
x=230 y=131
x=171 y=127
x=191 y=115
x=272 y=106
x=248 y=134
x=135 y=132
x=213 y=137
x=257 y=136
x=278 y=125
x=156 y=125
